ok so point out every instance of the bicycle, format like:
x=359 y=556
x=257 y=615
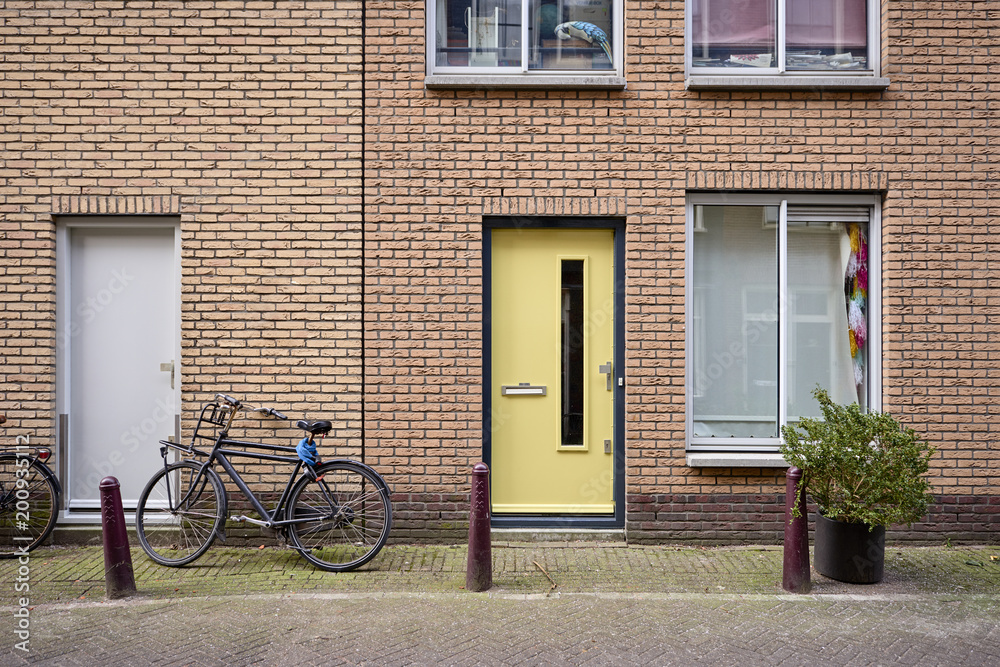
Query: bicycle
x=29 y=497
x=336 y=514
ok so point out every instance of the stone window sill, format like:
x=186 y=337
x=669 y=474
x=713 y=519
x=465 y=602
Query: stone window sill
x=735 y=460
x=793 y=82
x=512 y=81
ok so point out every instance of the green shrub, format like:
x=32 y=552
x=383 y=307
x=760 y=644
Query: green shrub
x=860 y=467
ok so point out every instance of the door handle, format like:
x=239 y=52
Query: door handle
x=168 y=368
x=606 y=369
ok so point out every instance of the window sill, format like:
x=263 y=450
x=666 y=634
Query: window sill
x=787 y=82
x=512 y=81
x=735 y=460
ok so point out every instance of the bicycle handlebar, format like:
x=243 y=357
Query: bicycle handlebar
x=236 y=405
x=271 y=412
x=228 y=399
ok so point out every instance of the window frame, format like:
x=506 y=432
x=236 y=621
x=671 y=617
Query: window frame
x=875 y=334
x=444 y=76
x=749 y=78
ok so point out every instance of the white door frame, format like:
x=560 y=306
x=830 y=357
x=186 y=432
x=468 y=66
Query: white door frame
x=64 y=226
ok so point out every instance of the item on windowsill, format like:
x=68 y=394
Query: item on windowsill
x=814 y=60
x=548 y=19
x=554 y=56
x=588 y=32
x=751 y=59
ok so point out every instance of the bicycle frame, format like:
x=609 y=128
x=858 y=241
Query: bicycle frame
x=336 y=513
x=221 y=452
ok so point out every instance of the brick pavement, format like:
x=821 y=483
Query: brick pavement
x=611 y=604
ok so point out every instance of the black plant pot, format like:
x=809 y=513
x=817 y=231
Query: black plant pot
x=849 y=551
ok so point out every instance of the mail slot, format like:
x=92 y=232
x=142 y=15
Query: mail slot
x=523 y=389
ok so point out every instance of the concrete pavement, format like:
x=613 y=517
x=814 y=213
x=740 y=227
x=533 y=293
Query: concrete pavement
x=552 y=603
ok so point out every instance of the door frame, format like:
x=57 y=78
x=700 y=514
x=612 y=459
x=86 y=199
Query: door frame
x=64 y=225
x=617 y=226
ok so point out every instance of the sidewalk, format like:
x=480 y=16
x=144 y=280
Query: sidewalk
x=68 y=574
x=552 y=603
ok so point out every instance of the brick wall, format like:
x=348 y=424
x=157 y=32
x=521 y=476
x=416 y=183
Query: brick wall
x=243 y=119
x=439 y=160
x=252 y=123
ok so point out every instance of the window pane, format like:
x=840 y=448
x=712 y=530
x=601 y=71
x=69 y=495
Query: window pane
x=572 y=351
x=734 y=33
x=827 y=313
x=570 y=34
x=478 y=33
x=735 y=337
x=826 y=34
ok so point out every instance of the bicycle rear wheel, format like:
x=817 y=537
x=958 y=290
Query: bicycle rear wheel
x=29 y=504
x=348 y=516
x=179 y=513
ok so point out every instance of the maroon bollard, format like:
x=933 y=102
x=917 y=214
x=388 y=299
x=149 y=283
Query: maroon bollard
x=119 y=579
x=479 y=571
x=795 y=569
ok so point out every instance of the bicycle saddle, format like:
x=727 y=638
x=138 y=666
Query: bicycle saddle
x=316 y=427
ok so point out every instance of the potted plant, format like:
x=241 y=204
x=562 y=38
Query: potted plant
x=865 y=472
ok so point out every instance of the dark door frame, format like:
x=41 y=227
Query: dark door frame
x=617 y=225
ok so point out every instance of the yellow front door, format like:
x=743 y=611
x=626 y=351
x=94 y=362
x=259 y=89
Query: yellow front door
x=552 y=411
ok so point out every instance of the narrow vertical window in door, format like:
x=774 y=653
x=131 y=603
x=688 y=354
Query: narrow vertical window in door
x=572 y=352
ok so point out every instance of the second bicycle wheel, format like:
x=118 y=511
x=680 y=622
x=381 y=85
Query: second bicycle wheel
x=345 y=516
x=179 y=513
x=29 y=504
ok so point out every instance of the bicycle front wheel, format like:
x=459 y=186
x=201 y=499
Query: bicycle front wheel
x=29 y=504
x=180 y=512
x=343 y=519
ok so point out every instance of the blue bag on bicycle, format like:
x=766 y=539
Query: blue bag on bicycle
x=307 y=451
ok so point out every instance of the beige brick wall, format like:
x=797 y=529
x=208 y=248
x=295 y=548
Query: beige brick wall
x=440 y=160
x=250 y=121
x=243 y=119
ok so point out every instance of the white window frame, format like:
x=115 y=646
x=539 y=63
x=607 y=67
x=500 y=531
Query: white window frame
x=766 y=446
x=438 y=76
x=747 y=78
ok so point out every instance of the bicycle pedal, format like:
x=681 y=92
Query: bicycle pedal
x=245 y=519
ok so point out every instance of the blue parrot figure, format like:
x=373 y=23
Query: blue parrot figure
x=588 y=32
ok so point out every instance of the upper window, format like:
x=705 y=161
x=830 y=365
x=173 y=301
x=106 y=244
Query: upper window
x=782 y=297
x=774 y=37
x=525 y=36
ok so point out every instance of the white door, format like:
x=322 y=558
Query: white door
x=119 y=344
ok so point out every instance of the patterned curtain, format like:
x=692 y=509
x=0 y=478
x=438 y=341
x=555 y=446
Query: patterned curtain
x=856 y=294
